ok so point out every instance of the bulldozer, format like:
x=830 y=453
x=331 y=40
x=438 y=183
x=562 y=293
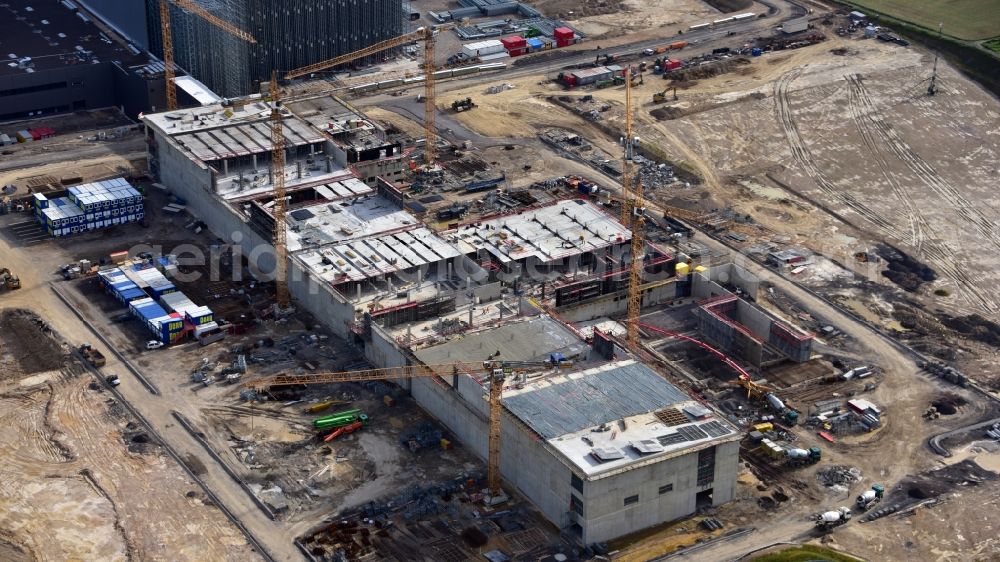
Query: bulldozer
x=9 y=280
x=459 y=106
x=660 y=97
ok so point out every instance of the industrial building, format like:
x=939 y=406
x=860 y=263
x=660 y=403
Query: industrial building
x=290 y=34
x=638 y=453
x=60 y=61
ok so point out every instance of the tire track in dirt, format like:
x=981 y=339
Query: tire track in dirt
x=869 y=126
x=925 y=172
x=803 y=157
x=940 y=252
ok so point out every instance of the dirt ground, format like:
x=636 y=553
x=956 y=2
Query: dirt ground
x=75 y=467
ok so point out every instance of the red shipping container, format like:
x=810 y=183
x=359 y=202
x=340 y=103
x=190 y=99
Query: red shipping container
x=514 y=42
x=673 y=64
x=562 y=33
x=563 y=43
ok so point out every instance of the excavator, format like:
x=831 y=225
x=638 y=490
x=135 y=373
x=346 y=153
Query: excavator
x=491 y=373
x=9 y=280
x=660 y=97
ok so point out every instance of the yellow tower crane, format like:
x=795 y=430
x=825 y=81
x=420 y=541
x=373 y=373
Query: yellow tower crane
x=425 y=34
x=280 y=198
x=168 y=41
x=491 y=372
x=633 y=210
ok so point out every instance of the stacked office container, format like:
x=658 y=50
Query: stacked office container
x=90 y=206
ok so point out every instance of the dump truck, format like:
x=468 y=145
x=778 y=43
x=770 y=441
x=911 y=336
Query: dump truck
x=92 y=355
x=459 y=106
x=867 y=499
x=830 y=519
x=803 y=457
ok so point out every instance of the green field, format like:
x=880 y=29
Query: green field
x=805 y=553
x=963 y=19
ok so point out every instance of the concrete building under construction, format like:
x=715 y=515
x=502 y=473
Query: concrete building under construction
x=290 y=34
x=604 y=450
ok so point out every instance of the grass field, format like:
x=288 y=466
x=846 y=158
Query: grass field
x=805 y=553
x=962 y=19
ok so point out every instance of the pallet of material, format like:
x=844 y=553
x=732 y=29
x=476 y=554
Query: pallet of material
x=174 y=208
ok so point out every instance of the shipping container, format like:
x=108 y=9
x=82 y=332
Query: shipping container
x=746 y=16
x=562 y=33
x=535 y=44
x=483 y=48
x=677 y=45
x=721 y=21
x=700 y=26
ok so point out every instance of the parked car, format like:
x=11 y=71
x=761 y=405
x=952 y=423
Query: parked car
x=154 y=344
x=112 y=380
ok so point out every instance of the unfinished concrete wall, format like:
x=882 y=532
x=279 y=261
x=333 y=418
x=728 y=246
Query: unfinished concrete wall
x=194 y=183
x=525 y=463
x=755 y=319
x=736 y=276
x=617 y=303
x=321 y=300
x=605 y=515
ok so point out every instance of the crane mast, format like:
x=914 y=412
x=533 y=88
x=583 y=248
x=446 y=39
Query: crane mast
x=633 y=209
x=280 y=202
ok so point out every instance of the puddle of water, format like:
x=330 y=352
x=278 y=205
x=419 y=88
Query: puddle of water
x=984 y=453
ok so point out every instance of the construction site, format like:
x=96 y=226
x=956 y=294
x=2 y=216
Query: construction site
x=695 y=285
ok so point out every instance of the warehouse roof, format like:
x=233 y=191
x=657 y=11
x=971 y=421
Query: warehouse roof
x=554 y=232
x=613 y=416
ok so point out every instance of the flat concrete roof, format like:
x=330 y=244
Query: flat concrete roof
x=378 y=255
x=214 y=132
x=529 y=340
x=56 y=34
x=577 y=413
x=351 y=219
x=565 y=228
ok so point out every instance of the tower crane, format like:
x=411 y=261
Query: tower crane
x=492 y=372
x=168 y=41
x=280 y=202
x=633 y=212
x=425 y=34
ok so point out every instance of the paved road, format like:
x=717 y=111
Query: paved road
x=700 y=41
